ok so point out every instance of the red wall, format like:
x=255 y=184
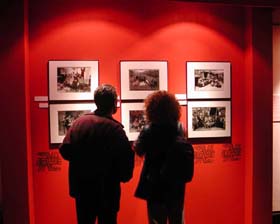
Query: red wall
x=177 y=32
x=110 y=31
x=14 y=147
x=262 y=107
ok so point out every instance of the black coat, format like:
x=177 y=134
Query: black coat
x=100 y=157
x=168 y=164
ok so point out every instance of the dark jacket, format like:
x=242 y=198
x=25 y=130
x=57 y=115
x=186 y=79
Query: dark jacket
x=168 y=163
x=100 y=157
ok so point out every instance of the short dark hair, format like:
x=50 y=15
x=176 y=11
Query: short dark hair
x=105 y=97
x=162 y=108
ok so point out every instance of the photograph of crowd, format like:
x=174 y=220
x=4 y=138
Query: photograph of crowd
x=73 y=79
x=209 y=79
x=143 y=79
x=66 y=119
x=136 y=120
x=208 y=118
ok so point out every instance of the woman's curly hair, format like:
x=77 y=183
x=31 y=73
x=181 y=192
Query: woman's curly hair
x=162 y=107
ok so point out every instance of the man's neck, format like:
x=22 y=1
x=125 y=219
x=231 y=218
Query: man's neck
x=102 y=114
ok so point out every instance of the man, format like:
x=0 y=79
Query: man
x=100 y=157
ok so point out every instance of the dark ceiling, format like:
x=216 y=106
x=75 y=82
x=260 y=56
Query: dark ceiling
x=255 y=3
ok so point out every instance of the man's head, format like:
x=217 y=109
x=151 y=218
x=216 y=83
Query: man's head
x=105 y=97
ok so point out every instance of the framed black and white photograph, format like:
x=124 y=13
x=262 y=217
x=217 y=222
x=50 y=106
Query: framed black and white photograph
x=63 y=115
x=209 y=119
x=208 y=80
x=72 y=80
x=140 y=78
x=133 y=119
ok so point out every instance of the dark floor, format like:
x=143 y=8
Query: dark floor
x=276 y=218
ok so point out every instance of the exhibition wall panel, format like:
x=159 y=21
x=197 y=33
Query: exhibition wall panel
x=110 y=31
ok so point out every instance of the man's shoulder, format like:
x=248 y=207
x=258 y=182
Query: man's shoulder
x=85 y=118
x=91 y=117
x=116 y=122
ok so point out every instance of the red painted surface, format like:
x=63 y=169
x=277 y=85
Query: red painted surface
x=262 y=141
x=176 y=32
x=13 y=143
x=248 y=117
x=110 y=31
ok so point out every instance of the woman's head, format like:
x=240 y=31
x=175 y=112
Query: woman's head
x=162 y=108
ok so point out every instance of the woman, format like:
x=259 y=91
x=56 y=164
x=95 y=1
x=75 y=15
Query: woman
x=163 y=177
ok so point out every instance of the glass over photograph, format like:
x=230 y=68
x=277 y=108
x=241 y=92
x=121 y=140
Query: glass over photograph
x=208 y=80
x=136 y=120
x=62 y=117
x=66 y=119
x=208 y=119
x=133 y=119
x=72 y=80
x=141 y=78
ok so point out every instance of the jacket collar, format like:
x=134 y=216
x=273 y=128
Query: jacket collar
x=98 y=113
